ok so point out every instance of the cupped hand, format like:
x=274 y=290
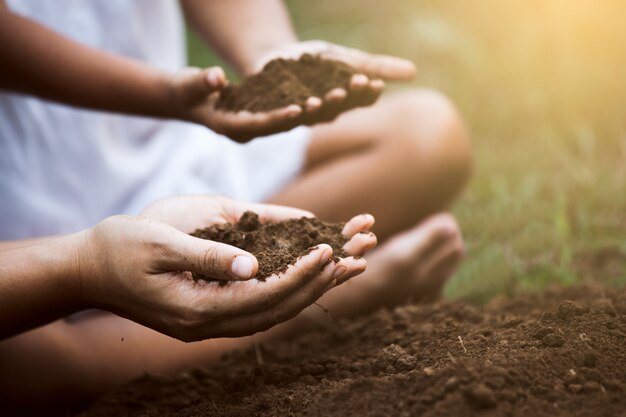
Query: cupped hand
x=190 y=212
x=140 y=268
x=365 y=87
x=194 y=94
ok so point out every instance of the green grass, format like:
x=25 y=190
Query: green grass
x=542 y=86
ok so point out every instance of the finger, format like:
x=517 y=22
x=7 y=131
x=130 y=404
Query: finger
x=312 y=104
x=335 y=95
x=334 y=104
x=272 y=212
x=243 y=126
x=370 y=94
x=215 y=78
x=293 y=305
x=359 y=82
x=360 y=244
x=252 y=296
x=384 y=66
x=354 y=266
x=207 y=258
x=363 y=91
x=377 y=85
x=360 y=223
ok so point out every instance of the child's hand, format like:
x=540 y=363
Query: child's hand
x=132 y=267
x=194 y=93
x=364 y=89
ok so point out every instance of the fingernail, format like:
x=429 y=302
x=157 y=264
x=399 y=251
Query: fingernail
x=293 y=110
x=339 y=272
x=313 y=103
x=242 y=267
x=213 y=78
x=360 y=79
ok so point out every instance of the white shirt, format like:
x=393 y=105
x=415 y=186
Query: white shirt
x=63 y=169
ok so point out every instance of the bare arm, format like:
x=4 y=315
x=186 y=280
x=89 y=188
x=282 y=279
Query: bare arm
x=132 y=266
x=38 y=61
x=250 y=33
x=36 y=283
x=41 y=62
x=13 y=244
x=241 y=31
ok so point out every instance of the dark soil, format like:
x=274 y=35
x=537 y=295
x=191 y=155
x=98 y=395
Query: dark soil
x=275 y=245
x=558 y=353
x=285 y=81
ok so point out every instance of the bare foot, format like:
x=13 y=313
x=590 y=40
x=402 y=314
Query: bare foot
x=410 y=267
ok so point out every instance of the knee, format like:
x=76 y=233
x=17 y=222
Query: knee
x=433 y=132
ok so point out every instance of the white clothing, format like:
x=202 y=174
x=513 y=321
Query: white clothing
x=63 y=169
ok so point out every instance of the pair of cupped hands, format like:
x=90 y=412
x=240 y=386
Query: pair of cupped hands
x=139 y=267
x=195 y=91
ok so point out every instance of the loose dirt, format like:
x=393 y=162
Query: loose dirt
x=275 y=245
x=286 y=81
x=558 y=353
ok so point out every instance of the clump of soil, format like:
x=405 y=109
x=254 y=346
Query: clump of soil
x=558 y=353
x=275 y=245
x=286 y=81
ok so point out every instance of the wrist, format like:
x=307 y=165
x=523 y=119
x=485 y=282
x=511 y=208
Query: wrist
x=78 y=269
x=169 y=101
x=42 y=282
x=89 y=270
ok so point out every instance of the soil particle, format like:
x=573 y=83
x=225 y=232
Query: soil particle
x=568 y=309
x=553 y=340
x=275 y=245
x=480 y=396
x=424 y=371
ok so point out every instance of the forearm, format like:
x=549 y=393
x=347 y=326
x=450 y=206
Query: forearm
x=39 y=283
x=241 y=31
x=38 y=61
x=14 y=244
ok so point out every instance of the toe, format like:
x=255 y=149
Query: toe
x=435 y=272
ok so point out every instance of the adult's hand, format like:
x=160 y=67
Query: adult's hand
x=139 y=268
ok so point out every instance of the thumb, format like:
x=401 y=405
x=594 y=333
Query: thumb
x=197 y=84
x=212 y=259
x=214 y=78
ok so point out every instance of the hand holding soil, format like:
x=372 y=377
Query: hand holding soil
x=150 y=288
x=319 y=86
x=278 y=245
x=297 y=84
x=195 y=92
x=337 y=78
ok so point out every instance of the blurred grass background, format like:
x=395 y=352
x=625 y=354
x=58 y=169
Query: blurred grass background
x=542 y=86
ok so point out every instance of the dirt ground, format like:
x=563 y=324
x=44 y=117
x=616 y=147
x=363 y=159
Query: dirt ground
x=557 y=353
